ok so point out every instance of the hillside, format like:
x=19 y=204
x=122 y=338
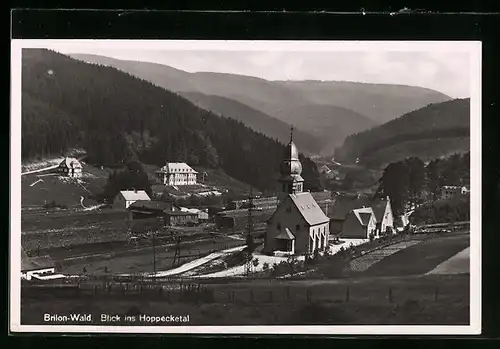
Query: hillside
x=115 y=116
x=254 y=119
x=436 y=130
x=379 y=102
x=330 y=111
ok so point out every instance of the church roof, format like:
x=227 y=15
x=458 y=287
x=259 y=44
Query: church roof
x=308 y=207
x=285 y=235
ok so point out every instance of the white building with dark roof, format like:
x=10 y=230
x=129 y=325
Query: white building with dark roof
x=298 y=226
x=125 y=198
x=177 y=173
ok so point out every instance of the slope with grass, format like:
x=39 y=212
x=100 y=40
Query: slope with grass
x=420 y=258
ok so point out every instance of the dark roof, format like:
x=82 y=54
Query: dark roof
x=150 y=205
x=285 y=235
x=344 y=205
x=336 y=226
x=181 y=213
x=321 y=196
x=34 y=263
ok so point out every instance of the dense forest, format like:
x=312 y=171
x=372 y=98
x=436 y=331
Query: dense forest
x=412 y=182
x=117 y=118
x=446 y=120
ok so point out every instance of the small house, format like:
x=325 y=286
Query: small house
x=70 y=167
x=176 y=218
x=142 y=209
x=359 y=224
x=202 y=214
x=38 y=268
x=125 y=198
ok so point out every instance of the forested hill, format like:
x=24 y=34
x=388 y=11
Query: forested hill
x=115 y=117
x=436 y=130
x=254 y=119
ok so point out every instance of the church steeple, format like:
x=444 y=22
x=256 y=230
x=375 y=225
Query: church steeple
x=290 y=180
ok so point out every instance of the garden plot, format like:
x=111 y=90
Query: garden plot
x=366 y=261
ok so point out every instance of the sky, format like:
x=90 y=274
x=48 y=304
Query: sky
x=446 y=71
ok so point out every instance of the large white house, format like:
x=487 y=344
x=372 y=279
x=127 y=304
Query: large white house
x=177 y=173
x=125 y=198
x=298 y=226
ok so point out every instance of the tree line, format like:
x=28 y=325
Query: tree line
x=116 y=118
x=411 y=182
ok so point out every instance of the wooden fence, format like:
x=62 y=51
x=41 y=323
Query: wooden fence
x=201 y=293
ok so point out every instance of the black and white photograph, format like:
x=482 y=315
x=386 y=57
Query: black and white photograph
x=245 y=187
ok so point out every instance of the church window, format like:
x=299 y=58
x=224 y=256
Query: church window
x=297 y=227
x=278 y=226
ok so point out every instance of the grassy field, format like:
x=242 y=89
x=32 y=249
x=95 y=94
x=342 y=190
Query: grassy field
x=420 y=258
x=429 y=300
x=141 y=260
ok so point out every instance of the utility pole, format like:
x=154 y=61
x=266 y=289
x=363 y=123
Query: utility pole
x=249 y=233
x=154 y=253
x=177 y=253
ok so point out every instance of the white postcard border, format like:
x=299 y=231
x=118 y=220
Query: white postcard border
x=473 y=47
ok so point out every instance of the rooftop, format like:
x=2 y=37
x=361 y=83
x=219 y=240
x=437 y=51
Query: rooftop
x=150 y=205
x=130 y=195
x=177 y=167
x=308 y=207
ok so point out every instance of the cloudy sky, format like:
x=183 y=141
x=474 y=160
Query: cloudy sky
x=444 y=71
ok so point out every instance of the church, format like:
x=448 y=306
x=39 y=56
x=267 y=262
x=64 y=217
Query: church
x=298 y=226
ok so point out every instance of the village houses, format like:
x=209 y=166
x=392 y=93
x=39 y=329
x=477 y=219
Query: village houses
x=298 y=226
x=361 y=218
x=177 y=173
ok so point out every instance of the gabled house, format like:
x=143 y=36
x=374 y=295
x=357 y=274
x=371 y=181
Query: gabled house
x=360 y=223
x=125 y=198
x=384 y=216
x=70 y=167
